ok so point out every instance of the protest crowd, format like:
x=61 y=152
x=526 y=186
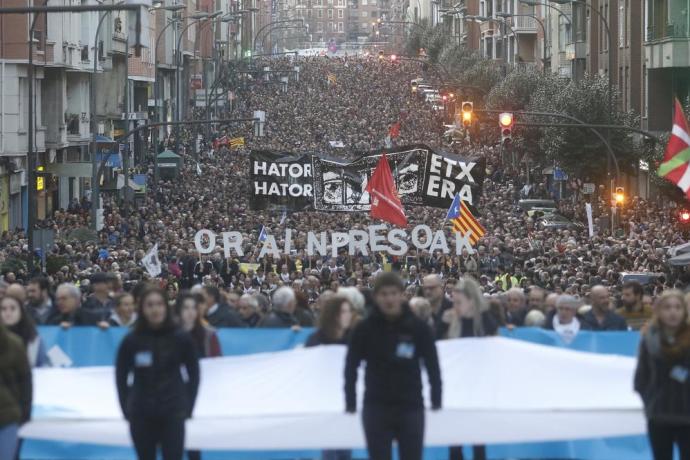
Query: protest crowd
x=526 y=274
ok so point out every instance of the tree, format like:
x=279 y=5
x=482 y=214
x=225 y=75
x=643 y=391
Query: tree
x=578 y=151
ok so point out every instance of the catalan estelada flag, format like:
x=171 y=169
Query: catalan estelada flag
x=676 y=165
x=236 y=142
x=464 y=221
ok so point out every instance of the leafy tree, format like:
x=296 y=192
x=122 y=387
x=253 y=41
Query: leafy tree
x=578 y=151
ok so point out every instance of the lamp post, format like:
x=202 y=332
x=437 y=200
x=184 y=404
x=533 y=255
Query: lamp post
x=156 y=84
x=196 y=18
x=611 y=63
x=270 y=24
x=506 y=26
x=560 y=12
x=505 y=16
x=268 y=32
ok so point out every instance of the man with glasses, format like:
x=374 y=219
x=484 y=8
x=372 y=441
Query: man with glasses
x=432 y=287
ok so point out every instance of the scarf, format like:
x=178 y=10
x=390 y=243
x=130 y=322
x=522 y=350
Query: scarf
x=567 y=332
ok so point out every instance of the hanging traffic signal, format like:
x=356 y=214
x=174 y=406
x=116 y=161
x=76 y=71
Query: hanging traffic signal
x=505 y=121
x=619 y=196
x=684 y=217
x=467 y=113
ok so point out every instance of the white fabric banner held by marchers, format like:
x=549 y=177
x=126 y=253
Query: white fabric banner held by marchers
x=496 y=390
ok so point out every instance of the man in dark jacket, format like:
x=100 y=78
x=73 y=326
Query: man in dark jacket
x=283 y=314
x=68 y=311
x=393 y=342
x=601 y=317
x=218 y=313
x=434 y=293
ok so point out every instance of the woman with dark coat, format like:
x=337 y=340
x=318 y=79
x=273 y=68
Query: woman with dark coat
x=335 y=322
x=662 y=377
x=469 y=317
x=159 y=400
x=188 y=310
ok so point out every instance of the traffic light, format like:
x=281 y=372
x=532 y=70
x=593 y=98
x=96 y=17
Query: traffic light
x=684 y=217
x=467 y=113
x=505 y=121
x=619 y=196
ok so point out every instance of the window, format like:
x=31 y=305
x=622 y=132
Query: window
x=340 y=27
x=330 y=14
x=341 y=14
x=341 y=2
x=319 y=26
x=319 y=14
x=365 y=2
x=331 y=26
x=364 y=14
x=309 y=12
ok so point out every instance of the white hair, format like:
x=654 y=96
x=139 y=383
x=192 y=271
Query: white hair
x=353 y=295
x=251 y=300
x=71 y=289
x=283 y=297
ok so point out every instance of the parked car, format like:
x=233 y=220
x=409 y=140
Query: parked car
x=527 y=205
x=555 y=221
x=643 y=278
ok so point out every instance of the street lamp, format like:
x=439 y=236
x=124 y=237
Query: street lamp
x=543 y=29
x=502 y=20
x=610 y=53
x=156 y=83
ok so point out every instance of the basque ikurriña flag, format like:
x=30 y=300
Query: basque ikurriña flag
x=676 y=165
x=385 y=202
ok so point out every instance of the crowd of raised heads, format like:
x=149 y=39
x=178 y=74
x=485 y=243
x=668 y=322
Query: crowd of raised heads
x=520 y=266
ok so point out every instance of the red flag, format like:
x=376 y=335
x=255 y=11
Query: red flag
x=385 y=203
x=394 y=131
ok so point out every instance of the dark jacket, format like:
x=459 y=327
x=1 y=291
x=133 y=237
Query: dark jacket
x=252 y=321
x=279 y=320
x=224 y=316
x=659 y=381
x=78 y=317
x=319 y=338
x=612 y=322
x=440 y=327
x=155 y=359
x=15 y=380
x=393 y=351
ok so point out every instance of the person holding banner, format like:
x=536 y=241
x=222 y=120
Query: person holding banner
x=159 y=400
x=469 y=317
x=394 y=343
x=15 y=391
x=662 y=377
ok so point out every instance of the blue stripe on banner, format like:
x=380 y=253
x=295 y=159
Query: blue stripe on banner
x=88 y=346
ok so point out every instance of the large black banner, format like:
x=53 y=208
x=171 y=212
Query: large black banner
x=280 y=181
x=422 y=177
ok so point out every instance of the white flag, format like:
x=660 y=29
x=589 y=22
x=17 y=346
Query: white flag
x=590 y=224
x=198 y=169
x=151 y=262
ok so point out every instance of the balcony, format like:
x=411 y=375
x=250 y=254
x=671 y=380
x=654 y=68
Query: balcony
x=525 y=25
x=667 y=46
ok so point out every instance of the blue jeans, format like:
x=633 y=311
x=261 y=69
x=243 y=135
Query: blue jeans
x=8 y=440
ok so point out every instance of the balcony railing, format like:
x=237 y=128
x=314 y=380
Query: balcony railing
x=524 y=23
x=667 y=31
